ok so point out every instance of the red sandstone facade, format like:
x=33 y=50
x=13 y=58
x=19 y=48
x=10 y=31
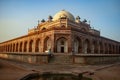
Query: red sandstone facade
x=62 y=34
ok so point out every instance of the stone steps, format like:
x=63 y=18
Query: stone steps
x=61 y=59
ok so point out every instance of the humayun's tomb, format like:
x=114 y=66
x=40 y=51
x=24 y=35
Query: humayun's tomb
x=69 y=39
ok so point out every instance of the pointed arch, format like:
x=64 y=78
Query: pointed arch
x=110 y=49
x=47 y=43
x=101 y=47
x=13 y=47
x=106 y=48
x=77 y=45
x=113 y=49
x=119 y=49
x=62 y=45
x=87 y=46
x=31 y=46
x=93 y=46
x=25 y=46
x=16 y=47
x=96 y=46
x=10 y=47
x=116 y=49
x=37 y=45
x=20 y=47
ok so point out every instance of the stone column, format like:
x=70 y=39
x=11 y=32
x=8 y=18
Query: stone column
x=92 y=48
x=98 y=47
x=107 y=49
x=33 y=46
x=117 y=49
x=11 y=47
x=52 y=43
x=103 y=48
x=22 y=46
x=70 y=43
x=42 y=44
x=28 y=43
x=81 y=46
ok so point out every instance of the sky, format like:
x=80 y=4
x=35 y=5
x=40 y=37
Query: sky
x=17 y=16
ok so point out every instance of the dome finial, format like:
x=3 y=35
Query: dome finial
x=78 y=19
x=50 y=18
x=84 y=20
x=42 y=20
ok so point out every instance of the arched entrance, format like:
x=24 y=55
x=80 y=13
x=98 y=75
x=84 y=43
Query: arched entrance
x=31 y=46
x=62 y=45
x=119 y=50
x=17 y=47
x=20 y=47
x=94 y=47
x=86 y=46
x=13 y=48
x=47 y=44
x=110 y=49
x=113 y=49
x=101 y=47
x=77 y=45
x=25 y=46
x=37 y=45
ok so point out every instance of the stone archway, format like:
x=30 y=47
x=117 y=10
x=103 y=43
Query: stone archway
x=94 y=47
x=62 y=45
x=106 y=48
x=17 y=47
x=86 y=46
x=116 y=49
x=13 y=47
x=20 y=47
x=110 y=49
x=113 y=49
x=25 y=46
x=10 y=47
x=119 y=49
x=77 y=45
x=37 y=45
x=31 y=46
x=47 y=44
x=101 y=47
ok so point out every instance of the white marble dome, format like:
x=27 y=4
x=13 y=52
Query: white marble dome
x=63 y=13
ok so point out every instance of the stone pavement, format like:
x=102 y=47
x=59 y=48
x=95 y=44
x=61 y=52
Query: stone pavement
x=15 y=70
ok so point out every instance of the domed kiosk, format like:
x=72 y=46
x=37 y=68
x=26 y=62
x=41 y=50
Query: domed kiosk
x=63 y=14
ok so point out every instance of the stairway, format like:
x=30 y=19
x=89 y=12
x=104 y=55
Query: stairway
x=60 y=58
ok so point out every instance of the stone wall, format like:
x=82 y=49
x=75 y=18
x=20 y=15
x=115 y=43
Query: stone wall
x=26 y=57
x=96 y=58
x=60 y=58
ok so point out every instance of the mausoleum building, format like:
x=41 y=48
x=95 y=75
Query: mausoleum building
x=63 y=33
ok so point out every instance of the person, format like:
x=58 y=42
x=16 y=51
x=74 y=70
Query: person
x=49 y=52
x=72 y=51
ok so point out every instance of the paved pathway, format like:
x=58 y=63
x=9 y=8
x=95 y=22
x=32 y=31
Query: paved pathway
x=14 y=70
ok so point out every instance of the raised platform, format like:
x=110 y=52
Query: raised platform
x=61 y=58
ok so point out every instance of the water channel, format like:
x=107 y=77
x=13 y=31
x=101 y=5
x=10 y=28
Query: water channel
x=48 y=76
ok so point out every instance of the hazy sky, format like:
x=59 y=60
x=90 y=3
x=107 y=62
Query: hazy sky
x=16 y=16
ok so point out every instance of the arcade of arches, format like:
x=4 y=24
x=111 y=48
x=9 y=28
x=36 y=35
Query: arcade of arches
x=62 y=34
x=78 y=46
